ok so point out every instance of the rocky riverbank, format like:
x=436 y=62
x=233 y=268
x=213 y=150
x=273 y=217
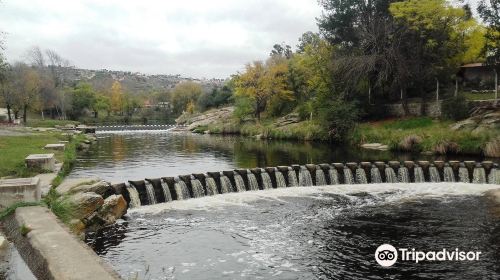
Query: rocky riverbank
x=91 y=204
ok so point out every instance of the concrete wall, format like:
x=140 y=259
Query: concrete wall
x=50 y=251
x=432 y=109
x=17 y=190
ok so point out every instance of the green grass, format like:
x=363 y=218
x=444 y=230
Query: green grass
x=69 y=158
x=9 y=210
x=479 y=96
x=14 y=149
x=409 y=123
x=59 y=205
x=434 y=136
x=49 y=123
x=305 y=130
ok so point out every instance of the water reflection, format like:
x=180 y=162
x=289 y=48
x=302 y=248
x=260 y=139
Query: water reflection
x=119 y=157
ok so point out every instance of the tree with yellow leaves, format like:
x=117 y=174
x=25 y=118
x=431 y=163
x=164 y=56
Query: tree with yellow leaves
x=116 y=98
x=263 y=82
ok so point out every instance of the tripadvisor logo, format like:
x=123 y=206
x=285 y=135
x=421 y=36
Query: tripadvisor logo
x=386 y=255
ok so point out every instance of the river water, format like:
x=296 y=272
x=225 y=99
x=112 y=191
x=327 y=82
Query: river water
x=307 y=233
x=328 y=232
x=134 y=156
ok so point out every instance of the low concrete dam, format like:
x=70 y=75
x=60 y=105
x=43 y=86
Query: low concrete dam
x=165 y=189
x=141 y=127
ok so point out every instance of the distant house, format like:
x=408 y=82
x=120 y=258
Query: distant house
x=477 y=76
x=163 y=105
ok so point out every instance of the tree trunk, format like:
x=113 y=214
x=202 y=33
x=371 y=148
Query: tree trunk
x=496 y=85
x=25 y=109
x=16 y=114
x=8 y=113
x=404 y=103
x=437 y=89
x=456 y=86
x=95 y=114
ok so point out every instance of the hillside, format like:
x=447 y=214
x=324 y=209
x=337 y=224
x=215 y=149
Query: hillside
x=132 y=82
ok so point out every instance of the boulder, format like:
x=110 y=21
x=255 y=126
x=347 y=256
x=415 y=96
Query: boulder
x=102 y=188
x=113 y=208
x=85 y=204
x=468 y=124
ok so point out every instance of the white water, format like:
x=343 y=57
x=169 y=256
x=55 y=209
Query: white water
x=375 y=175
x=305 y=179
x=181 y=190
x=393 y=193
x=403 y=175
x=151 y=192
x=197 y=187
x=253 y=185
x=240 y=184
x=166 y=191
x=292 y=179
x=280 y=180
x=211 y=186
x=266 y=180
x=361 y=176
x=134 y=197
x=334 y=176
x=320 y=177
x=225 y=184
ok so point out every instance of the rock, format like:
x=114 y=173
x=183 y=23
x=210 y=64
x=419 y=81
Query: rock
x=101 y=188
x=76 y=225
x=3 y=242
x=114 y=208
x=288 y=119
x=83 y=146
x=468 y=124
x=85 y=204
x=67 y=184
x=375 y=146
x=207 y=118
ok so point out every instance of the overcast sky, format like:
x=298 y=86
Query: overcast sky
x=196 y=38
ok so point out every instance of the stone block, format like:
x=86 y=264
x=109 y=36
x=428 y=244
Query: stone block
x=19 y=190
x=41 y=161
x=59 y=147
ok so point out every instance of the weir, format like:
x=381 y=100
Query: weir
x=166 y=189
x=117 y=128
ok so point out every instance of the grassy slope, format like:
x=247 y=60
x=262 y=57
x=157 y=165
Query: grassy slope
x=306 y=130
x=433 y=135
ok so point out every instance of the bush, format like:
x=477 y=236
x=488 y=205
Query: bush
x=338 y=117
x=243 y=108
x=455 y=108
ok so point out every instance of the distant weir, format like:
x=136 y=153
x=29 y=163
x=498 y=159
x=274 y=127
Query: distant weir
x=166 y=189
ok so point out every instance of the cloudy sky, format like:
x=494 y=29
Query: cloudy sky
x=197 y=38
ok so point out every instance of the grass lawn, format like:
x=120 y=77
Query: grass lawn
x=14 y=149
x=479 y=96
x=49 y=122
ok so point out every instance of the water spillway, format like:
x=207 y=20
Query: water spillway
x=166 y=189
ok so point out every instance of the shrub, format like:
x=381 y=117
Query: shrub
x=455 y=108
x=338 y=117
x=492 y=148
x=410 y=143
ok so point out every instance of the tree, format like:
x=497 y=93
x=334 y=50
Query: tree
x=436 y=38
x=26 y=82
x=490 y=13
x=83 y=97
x=183 y=94
x=489 y=10
x=102 y=103
x=116 y=98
